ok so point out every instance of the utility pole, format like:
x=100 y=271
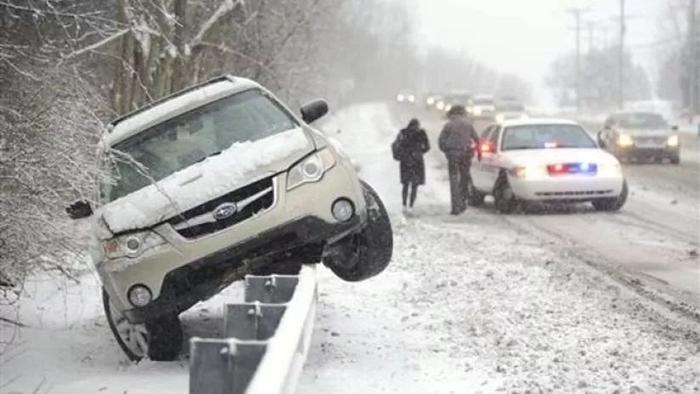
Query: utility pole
x=591 y=35
x=621 y=58
x=692 y=61
x=577 y=15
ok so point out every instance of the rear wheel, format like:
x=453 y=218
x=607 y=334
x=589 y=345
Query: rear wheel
x=503 y=195
x=612 y=204
x=158 y=339
x=366 y=254
x=475 y=198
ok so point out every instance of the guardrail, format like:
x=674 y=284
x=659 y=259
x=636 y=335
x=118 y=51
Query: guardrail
x=266 y=339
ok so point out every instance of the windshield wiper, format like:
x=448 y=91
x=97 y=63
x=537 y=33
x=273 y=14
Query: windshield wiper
x=206 y=157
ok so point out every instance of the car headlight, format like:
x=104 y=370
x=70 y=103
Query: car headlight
x=672 y=141
x=411 y=98
x=131 y=245
x=477 y=111
x=624 y=140
x=440 y=105
x=527 y=172
x=430 y=101
x=311 y=169
x=500 y=118
x=400 y=98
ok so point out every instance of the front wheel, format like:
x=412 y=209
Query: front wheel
x=614 y=203
x=366 y=254
x=503 y=195
x=158 y=339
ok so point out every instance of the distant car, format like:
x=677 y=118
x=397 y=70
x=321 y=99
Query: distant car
x=450 y=100
x=405 y=97
x=640 y=136
x=210 y=184
x=529 y=160
x=481 y=106
x=509 y=110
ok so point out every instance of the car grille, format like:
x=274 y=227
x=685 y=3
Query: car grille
x=574 y=194
x=250 y=200
x=650 y=140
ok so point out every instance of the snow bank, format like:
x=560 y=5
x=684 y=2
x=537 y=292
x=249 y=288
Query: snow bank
x=206 y=180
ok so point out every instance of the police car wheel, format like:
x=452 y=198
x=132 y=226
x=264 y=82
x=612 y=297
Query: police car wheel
x=612 y=204
x=505 y=200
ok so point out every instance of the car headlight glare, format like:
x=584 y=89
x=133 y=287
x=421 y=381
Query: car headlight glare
x=440 y=105
x=625 y=140
x=672 y=141
x=132 y=245
x=311 y=169
x=526 y=172
x=430 y=101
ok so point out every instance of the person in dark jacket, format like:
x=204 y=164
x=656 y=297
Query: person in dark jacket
x=456 y=141
x=412 y=144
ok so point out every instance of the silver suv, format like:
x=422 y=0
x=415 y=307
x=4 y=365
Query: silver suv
x=213 y=183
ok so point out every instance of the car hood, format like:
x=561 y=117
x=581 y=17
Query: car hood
x=234 y=168
x=648 y=133
x=555 y=156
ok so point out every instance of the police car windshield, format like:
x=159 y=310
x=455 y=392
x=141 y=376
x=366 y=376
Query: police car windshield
x=550 y=136
x=176 y=144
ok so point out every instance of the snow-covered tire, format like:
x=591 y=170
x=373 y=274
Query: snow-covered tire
x=612 y=204
x=158 y=339
x=503 y=195
x=475 y=198
x=366 y=254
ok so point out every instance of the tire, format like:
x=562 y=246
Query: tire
x=676 y=160
x=158 y=339
x=475 y=198
x=612 y=204
x=505 y=200
x=368 y=253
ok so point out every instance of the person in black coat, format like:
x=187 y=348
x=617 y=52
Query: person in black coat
x=411 y=144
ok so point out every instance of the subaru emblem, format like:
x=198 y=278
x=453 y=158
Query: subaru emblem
x=225 y=211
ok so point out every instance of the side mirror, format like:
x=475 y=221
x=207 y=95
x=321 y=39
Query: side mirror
x=601 y=141
x=674 y=128
x=79 y=210
x=314 y=111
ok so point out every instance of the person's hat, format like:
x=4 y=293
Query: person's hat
x=457 y=110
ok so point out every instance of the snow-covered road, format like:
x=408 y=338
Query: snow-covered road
x=476 y=303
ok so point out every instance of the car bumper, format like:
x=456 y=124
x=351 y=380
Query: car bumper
x=647 y=152
x=298 y=218
x=574 y=188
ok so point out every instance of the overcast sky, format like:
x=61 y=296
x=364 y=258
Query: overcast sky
x=525 y=36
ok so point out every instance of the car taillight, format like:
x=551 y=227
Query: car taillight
x=485 y=147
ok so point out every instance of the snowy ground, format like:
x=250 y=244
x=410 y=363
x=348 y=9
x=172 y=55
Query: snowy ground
x=477 y=303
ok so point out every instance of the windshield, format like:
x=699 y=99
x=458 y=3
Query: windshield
x=642 y=121
x=192 y=137
x=546 y=137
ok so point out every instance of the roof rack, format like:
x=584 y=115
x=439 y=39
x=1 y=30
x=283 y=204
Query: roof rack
x=153 y=103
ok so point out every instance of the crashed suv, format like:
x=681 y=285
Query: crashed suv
x=213 y=183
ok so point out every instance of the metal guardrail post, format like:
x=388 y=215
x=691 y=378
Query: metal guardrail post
x=267 y=338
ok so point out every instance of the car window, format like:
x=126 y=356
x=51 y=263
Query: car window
x=486 y=133
x=191 y=137
x=642 y=121
x=549 y=136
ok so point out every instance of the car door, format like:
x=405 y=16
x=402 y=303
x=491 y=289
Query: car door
x=477 y=169
x=491 y=159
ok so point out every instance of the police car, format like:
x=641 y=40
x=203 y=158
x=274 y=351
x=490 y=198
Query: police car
x=547 y=161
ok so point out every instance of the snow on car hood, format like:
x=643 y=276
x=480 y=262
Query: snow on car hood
x=554 y=156
x=235 y=167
